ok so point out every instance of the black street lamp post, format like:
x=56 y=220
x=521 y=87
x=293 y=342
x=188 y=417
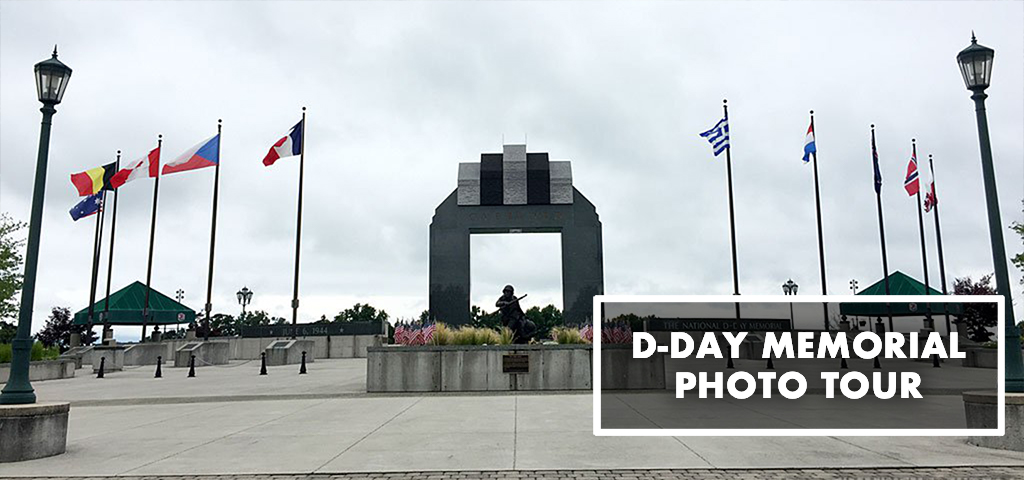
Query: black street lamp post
x=789 y=288
x=244 y=297
x=51 y=80
x=976 y=66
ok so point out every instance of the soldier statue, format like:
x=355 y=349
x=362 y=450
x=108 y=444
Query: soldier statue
x=512 y=316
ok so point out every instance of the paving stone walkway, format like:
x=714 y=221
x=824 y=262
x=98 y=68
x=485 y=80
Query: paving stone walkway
x=689 y=474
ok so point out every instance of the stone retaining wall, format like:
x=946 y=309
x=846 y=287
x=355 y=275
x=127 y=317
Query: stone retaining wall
x=338 y=346
x=981 y=358
x=43 y=370
x=468 y=368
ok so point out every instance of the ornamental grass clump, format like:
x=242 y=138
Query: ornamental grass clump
x=567 y=336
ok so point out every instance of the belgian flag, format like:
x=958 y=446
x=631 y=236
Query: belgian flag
x=92 y=181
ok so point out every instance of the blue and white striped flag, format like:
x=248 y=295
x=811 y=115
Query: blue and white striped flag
x=718 y=136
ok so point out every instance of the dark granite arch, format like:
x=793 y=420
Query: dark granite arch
x=452 y=225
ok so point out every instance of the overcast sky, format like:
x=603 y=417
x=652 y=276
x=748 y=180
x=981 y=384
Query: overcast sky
x=398 y=93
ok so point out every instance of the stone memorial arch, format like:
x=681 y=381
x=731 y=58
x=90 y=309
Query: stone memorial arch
x=514 y=192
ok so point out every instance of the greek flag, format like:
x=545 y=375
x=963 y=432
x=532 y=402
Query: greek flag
x=718 y=136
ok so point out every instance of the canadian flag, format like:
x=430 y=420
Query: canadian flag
x=148 y=166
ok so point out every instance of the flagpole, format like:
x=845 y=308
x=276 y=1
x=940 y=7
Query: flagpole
x=881 y=226
x=152 y=237
x=110 y=258
x=96 y=247
x=920 y=225
x=938 y=241
x=732 y=215
x=213 y=237
x=298 y=226
x=821 y=242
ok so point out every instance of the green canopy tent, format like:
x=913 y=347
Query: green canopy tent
x=126 y=308
x=899 y=284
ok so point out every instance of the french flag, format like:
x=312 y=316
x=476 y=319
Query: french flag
x=288 y=146
x=202 y=155
x=809 y=146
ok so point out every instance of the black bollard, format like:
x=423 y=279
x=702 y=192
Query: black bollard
x=103 y=361
x=771 y=364
x=263 y=363
x=729 y=364
x=843 y=365
x=878 y=364
x=159 y=362
x=192 y=366
x=935 y=362
x=302 y=369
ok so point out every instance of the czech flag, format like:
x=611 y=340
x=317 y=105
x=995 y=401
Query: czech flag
x=88 y=206
x=809 y=146
x=91 y=181
x=204 y=154
x=288 y=146
x=912 y=183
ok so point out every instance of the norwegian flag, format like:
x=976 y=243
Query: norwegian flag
x=913 y=182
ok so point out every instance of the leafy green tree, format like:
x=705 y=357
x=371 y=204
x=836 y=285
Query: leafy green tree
x=59 y=327
x=7 y=332
x=545 y=318
x=361 y=313
x=10 y=265
x=977 y=317
x=478 y=317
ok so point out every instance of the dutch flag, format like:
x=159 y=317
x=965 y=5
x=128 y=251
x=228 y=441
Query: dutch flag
x=288 y=146
x=809 y=147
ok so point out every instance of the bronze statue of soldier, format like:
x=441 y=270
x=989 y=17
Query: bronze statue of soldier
x=513 y=317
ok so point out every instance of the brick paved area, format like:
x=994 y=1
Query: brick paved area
x=949 y=473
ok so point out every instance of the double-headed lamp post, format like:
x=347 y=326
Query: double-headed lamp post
x=976 y=66
x=244 y=297
x=51 y=80
x=789 y=288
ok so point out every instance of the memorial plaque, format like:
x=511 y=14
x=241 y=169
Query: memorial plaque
x=515 y=363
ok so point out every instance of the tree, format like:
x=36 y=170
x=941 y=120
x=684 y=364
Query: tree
x=59 y=327
x=361 y=313
x=1018 y=259
x=11 y=260
x=977 y=317
x=7 y=331
x=545 y=318
x=479 y=317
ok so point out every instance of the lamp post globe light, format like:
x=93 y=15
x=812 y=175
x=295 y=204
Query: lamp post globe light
x=853 y=286
x=51 y=80
x=244 y=297
x=976 y=67
x=790 y=287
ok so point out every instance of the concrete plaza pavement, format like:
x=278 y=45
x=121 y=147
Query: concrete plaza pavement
x=233 y=421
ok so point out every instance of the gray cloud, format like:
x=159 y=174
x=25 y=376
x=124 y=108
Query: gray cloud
x=399 y=93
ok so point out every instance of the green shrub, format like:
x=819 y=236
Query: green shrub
x=39 y=352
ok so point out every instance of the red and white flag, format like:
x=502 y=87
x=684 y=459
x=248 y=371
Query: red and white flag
x=912 y=183
x=148 y=166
